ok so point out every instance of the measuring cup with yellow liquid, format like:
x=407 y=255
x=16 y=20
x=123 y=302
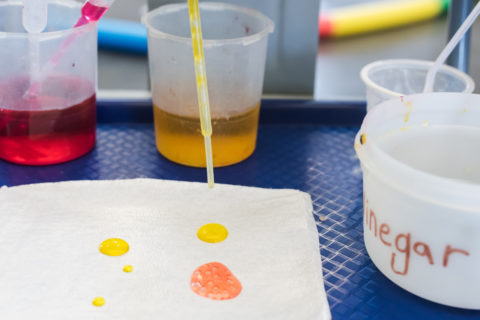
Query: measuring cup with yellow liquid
x=235 y=46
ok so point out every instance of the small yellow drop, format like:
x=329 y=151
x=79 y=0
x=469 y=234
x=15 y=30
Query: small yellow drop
x=114 y=247
x=98 y=302
x=212 y=233
x=128 y=268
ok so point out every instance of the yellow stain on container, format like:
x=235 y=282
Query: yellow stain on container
x=407 y=115
x=363 y=139
x=128 y=268
x=98 y=301
x=212 y=233
x=114 y=247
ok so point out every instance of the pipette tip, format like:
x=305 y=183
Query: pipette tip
x=209 y=161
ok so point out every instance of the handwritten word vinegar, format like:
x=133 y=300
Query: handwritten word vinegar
x=403 y=245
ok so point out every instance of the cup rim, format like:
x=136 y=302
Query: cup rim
x=213 y=6
x=387 y=168
x=47 y=34
x=364 y=74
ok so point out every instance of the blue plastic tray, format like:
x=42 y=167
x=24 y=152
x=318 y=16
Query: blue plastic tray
x=302 y=145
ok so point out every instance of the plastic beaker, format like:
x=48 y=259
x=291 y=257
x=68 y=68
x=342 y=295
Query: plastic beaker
x=386 y=79
x=235 y=46
x=57 y=122
x=421 y=185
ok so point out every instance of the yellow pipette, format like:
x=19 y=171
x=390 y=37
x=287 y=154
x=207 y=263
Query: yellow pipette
x=202 y=89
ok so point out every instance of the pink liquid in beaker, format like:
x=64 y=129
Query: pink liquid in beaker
x=33 y=135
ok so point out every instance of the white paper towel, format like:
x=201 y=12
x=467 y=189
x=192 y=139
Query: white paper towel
x=51 y=267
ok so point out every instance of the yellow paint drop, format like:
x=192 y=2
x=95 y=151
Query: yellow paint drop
x=114 y=247
x=98 y=302
x=128 y=268
x=212 y=233
x=464 y=110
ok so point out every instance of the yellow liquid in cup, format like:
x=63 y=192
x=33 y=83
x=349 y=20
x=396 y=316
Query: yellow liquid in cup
x=180 y=139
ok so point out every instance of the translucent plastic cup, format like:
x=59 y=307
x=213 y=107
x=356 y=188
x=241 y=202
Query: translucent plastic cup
x=421 y=180
x=386 y=79
x=235 y=46
x=47 y=109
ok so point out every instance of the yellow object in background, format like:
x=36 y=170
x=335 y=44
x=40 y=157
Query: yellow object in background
x=378 y=15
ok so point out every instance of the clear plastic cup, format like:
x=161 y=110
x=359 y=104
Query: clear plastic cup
x=47 y=110
x=386 y=79
x=421 y=181
x=235 y=46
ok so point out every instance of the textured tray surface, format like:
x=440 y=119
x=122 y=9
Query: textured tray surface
x=316 y=159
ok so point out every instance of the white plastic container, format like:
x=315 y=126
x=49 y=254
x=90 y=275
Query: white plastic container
x=386 y=79
x=421 y=174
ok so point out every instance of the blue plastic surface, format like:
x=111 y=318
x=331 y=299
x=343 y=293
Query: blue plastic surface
x=314 y=158
x=122 y=35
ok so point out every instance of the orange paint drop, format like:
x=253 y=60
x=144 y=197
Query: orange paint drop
x=215 y=281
